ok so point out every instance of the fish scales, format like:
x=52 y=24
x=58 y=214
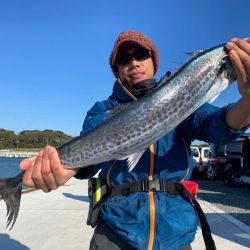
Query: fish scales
x=143 y=122
x=146 y=120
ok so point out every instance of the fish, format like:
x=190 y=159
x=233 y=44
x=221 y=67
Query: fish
x=134 y=126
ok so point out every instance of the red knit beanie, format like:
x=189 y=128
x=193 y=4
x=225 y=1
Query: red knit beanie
x=132 y=37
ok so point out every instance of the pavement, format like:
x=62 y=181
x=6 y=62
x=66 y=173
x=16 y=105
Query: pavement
x=57 y=220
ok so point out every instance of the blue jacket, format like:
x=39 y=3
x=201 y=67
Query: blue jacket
x=156 y=220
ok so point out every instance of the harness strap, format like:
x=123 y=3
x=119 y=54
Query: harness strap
x=172 y=188
x=206 y=232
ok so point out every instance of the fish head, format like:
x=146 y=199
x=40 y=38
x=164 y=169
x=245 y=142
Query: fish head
x=225 y=68
x=214 y=71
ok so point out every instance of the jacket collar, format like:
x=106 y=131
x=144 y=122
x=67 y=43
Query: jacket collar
x=120 y=94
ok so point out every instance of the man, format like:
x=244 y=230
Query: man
x=148 y=220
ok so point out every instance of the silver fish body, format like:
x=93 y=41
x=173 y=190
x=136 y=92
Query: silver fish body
x=146 y=120
x=129 y=132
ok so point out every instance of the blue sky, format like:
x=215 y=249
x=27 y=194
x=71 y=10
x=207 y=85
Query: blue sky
x=54 y=53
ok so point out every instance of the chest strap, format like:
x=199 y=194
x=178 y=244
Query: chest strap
x=172 y=188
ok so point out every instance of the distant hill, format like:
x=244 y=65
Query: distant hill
x=31 y=139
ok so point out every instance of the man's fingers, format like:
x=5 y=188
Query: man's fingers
x=242 y=44
x=247 y=39
x=61 y=174
x=238 y=66
x=36 y=174
x=239 y=52
x=242 y=49
x=47 y=174
x=45 y=171
x=26 y=163
x=27 y=179
x=56 y=166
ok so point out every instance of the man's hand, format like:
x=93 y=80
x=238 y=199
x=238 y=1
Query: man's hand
x=238 y=117
x=45 y=171
x=239 y=53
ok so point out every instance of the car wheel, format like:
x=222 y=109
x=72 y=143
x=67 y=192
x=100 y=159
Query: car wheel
x=235 y=178
x=209 y=173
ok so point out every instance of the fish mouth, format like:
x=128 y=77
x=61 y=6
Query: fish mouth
x=226 y=68
x=225 y=49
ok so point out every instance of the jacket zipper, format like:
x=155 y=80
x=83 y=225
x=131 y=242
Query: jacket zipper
x=151 y=200
x=150 y=177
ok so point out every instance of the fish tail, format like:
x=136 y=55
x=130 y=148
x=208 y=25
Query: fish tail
x=10 y=192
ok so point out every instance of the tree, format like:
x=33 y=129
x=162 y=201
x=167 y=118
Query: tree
x=8 y=139
x=32 y=139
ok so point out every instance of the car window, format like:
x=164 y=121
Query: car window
x=206 y=153
x=195 y=152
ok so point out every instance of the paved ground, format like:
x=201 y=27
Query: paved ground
x=234 y=201
x=57 y=220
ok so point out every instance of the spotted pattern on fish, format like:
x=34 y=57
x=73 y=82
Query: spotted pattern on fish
x=145 y=121
x=129 y=132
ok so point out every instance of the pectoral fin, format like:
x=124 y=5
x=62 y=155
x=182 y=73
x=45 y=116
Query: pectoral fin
x=213 y=98
x=134 y=159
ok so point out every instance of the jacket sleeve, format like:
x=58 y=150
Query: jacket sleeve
x=95 y=116
x=208 y=124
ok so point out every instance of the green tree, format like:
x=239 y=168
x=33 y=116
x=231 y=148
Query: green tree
x=39 y=139
x=8 y=139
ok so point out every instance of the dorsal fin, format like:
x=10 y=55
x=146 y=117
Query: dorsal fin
x=195 y=53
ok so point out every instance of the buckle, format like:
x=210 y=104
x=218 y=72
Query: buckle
x=145 y=185
x=154 y=186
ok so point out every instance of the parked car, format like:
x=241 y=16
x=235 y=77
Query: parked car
x=227 y=158
x=230 y=162
x=200 y=156
x=212 y=168
x=245 y=163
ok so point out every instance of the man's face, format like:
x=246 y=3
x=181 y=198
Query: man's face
x=136 y=70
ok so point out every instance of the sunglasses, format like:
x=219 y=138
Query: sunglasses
x=140 y=55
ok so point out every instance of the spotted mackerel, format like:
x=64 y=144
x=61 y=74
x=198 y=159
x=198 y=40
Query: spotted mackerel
x=134 y=126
